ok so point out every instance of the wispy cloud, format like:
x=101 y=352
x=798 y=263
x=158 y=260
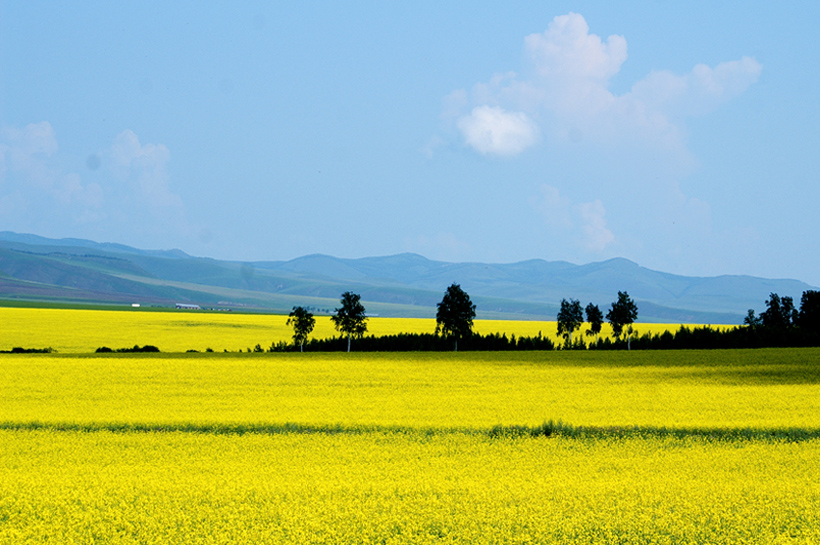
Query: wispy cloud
x=26 y=151
x=595 y=234
x=563 y=93
x=131 y=190
x=145 y=168
x=584 y=223
x=490 y=129
x=28 y=171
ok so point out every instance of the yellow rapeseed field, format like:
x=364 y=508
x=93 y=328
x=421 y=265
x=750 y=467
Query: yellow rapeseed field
x=652 y=447
x=731 y=389
x=383 y=487
x=81 y=330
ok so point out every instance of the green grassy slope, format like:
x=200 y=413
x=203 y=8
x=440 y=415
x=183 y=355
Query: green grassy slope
x=36 y=268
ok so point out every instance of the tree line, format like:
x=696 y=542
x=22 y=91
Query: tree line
x=454 y=324
x=621 y=315
x=781 y=324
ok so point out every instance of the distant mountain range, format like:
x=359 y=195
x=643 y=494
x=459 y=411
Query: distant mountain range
x=82 y=271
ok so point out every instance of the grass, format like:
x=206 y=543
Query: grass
x=547 y=429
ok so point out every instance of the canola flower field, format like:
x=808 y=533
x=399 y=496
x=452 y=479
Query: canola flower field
x=80 y=330
x=535 y=447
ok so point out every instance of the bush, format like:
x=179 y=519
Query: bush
x=21 y=350
x=136 y=348
x=420 y=342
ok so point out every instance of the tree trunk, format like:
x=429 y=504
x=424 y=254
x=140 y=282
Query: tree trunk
x=302 y=347
x=348 y=342
x=456 y=346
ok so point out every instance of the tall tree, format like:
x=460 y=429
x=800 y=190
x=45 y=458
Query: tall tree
x=809 y=317
x=751 y=320
x=454 y=317
x=596 y=319
x=570 y=318
x=623 y=314
x=780 y=313
x=350 y=318
x=302 y=322
x=790 y=313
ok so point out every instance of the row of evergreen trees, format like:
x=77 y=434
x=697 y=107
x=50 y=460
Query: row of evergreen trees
x=781 y=324
x=621 y=315
x=420 y=342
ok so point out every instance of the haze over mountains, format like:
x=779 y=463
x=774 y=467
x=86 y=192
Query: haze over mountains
x=33 y=267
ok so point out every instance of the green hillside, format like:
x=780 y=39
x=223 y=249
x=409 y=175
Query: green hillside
x=70 y=270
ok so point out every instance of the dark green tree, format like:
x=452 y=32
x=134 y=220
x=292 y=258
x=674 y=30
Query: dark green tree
x=751 y=320
x=780 y=313
x=790 y=312
x=454 y=317
x=596 y=319
x=302 y=322
x=623 y=314
x=350 y=318
x=570 y=318
x=809 y=317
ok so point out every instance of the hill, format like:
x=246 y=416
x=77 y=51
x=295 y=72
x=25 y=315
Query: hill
x=83 y=271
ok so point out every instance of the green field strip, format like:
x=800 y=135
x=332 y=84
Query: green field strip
x=548 y=429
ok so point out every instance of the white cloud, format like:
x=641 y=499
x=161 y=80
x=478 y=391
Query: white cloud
x=492 y=130
x=128 y=193
x=564 y=94
x=698 y=92
x=567 y=51
x=36 y=193
x=432 y=145
x=70 y=191
x=585 y=223
x=554 y=208
x=596 y=236
x=127 y=150
x=146 y=166
x=26 y=152
x=35 y=138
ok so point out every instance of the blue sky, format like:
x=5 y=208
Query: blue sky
x=681 y=135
